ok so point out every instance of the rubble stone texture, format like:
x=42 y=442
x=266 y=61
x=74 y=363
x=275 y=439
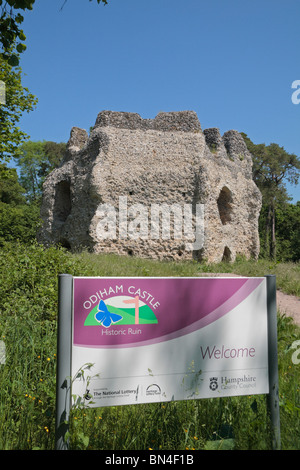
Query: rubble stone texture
x=166 y=160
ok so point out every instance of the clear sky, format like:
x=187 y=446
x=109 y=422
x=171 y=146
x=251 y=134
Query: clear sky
x=233 y=62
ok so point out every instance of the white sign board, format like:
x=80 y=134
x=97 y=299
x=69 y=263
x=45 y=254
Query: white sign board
x=163 y=339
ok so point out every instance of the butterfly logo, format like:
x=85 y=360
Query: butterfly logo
x=105 y=317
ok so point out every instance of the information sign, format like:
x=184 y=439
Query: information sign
x=163 y=339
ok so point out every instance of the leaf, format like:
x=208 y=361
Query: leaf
x=22 y=36
x=21 y=47
x=13 y=60
x=84 y=439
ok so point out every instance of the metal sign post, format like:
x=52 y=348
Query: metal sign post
x=273 y=396
x=64 y=347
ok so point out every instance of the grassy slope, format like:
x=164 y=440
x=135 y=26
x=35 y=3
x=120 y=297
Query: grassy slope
x=287 y=274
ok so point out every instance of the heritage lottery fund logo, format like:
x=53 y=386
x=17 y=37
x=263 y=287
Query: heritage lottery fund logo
x=158 y=221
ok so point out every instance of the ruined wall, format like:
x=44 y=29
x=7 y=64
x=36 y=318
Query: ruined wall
x=167 y=160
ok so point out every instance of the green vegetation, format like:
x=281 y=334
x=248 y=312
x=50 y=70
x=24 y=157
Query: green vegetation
x=287 y=273
x=18 y=100
x=28 y=319
x=19 y=220
x=272 y=168
x=35 y=161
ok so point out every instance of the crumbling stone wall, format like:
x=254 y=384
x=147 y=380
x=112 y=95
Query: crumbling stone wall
x=167 y=160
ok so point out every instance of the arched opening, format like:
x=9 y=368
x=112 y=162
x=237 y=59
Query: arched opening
x=62 y=202
x=65 y=244
x=226 y=254
x=225 y=205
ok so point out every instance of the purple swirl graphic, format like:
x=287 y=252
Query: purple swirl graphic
x=181 y=306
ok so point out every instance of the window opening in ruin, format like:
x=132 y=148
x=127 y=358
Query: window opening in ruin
x=225 y=205
x=62 y=203
x=226 y=254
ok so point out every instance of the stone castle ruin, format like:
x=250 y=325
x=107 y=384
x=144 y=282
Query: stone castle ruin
x=98 y=196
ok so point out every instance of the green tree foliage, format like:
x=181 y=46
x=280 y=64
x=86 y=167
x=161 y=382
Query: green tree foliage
x=36 y=161
x=11 y=192
x=19 y=223
x=272 y=168
x=18 y=100
x=288 y=231
x=18 y=219
x=12 y=37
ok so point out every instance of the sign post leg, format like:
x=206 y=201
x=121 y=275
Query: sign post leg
x=273 y=396
x=63 y=375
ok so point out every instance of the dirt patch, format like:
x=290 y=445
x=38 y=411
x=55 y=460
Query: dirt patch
x=288 y=305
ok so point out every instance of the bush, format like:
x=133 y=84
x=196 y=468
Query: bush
x=28 y=312
x=19 y=222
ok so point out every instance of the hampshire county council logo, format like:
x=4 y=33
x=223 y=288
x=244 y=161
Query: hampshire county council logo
x=213 y=383
x=121 y=310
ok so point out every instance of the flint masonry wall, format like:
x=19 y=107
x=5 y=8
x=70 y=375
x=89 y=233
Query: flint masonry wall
x=165 y=160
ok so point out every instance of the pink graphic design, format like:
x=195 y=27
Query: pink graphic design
x=134 y=301
x=128 y=312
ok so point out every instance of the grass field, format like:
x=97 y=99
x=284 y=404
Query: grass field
x=28 y=318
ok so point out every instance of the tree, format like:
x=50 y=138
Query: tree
x=11 y=35
x=11 y=192
x=272 y=167
x=18 y=100
x=287 y=231
x=54 y=153
x=18 y=220
x=35 y=161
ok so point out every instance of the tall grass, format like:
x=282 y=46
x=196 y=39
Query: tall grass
x=28 y=309
x=287 y=274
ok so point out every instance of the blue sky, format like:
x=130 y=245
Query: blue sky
x=233 y=62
